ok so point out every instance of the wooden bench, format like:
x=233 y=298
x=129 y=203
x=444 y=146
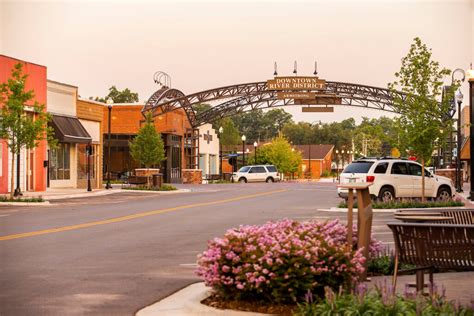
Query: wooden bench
x=430 y=246
x=453 y=216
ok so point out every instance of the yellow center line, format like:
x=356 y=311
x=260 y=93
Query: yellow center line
x=133 y=216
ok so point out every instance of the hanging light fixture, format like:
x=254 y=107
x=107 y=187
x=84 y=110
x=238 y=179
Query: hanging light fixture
x=315 y=68
x=275 y=73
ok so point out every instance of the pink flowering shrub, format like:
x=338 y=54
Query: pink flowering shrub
x=281 y=261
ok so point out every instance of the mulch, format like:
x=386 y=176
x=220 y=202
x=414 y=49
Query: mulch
x=257 y=307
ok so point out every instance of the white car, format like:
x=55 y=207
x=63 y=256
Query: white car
x=260 y=173
x=395 y=178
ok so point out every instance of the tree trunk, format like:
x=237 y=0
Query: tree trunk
x=12 y=184
x=422 y=180
x=148 y=178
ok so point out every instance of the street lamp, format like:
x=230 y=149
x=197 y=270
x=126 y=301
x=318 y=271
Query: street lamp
x=110 y=103
x=255 y=144
x=221 y=130
x=337 y=164
x=470 y=78
x=458 y=98
x=243 y=149
x=88 y=166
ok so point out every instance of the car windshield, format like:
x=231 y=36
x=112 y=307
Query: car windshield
x=244 y=169
x=358 y=167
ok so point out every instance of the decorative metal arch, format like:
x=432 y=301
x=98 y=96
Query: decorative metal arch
x=251 y=96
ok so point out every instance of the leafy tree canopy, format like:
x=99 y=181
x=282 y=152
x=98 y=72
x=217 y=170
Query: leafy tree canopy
x=147 y=147
x=280 y=154
x=423 y=117
x=124 y=96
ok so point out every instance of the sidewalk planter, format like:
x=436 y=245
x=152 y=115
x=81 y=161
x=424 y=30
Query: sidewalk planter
x=146 y=172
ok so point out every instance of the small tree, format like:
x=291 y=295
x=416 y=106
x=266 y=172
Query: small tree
x=147 y=147
x=280 y=154
x=423 y=117
x=23 y=123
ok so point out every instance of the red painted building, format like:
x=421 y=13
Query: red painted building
x=32 y=170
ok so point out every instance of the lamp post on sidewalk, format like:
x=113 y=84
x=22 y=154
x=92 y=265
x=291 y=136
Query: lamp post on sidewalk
x=110 y=103
x=470 y=78
x=243 y=149
x=221 y=130
x=88 y=166
x=255 y=144
x=459 y=98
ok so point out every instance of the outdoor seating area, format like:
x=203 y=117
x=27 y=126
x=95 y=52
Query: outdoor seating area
x=433 y=240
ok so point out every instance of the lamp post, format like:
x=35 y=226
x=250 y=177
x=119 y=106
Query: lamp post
x=255 y=144
x=88 y=166
x=470 y=78
x=110 y=103
x=221 y=130
x=337 y=164
x=458 y=97
x=243 y=149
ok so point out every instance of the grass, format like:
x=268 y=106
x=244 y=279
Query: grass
x=164 y=187
x=219 y=182
x=25 y=200
x=408 y=204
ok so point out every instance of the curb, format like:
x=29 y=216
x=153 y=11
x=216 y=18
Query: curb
x=45 y=203
x=387 y=210
x=158 y=192
x=187 y=302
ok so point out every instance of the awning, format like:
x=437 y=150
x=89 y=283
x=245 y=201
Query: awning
x=69 y=130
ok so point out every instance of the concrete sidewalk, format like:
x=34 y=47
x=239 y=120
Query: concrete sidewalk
x=68 y=193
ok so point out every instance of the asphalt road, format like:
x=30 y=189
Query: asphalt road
x=115 y=254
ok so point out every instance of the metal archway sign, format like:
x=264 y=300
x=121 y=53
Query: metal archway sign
x=277 y=92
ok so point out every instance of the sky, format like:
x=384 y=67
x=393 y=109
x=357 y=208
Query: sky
x=208 y=44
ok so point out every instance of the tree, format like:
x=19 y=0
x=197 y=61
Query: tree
x=147 y=147
x=423 y=117
x=280 y=154
x=23 y=123
x=124 y=96
x=258 y=125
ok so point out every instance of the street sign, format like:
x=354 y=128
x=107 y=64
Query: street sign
x=296 y=84
x=296 y=95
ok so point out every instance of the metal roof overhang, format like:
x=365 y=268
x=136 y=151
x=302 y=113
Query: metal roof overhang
x=69 y=130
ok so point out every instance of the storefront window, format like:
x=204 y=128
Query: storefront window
x=82 y=161
x=59 y=162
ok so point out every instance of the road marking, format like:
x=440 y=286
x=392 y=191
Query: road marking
x=133 y=216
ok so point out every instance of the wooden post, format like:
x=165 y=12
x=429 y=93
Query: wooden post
x=350 y=206
x=364 y=218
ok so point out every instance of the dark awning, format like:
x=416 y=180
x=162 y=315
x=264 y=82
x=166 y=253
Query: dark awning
x=69 y=130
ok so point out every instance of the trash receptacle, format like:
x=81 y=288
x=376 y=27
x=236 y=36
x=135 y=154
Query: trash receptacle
x=227 y=176
x=157 y=180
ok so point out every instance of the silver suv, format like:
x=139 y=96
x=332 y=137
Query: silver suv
x=257 y=173
x=395 y=178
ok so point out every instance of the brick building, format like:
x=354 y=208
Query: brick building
x=32 y=162
x=126 y=120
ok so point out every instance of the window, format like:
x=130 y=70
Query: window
x=244 y=169
x=82 y=161
x=258 y=170
x=415 y=170
x=400 y=168
x=59 y=162
x=272 y=169
x=381 y=167
x=358 y=167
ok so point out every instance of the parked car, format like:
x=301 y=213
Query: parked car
x=395 y=178
x=259 y=173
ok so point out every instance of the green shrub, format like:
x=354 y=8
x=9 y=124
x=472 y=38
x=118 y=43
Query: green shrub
x=383 y=263
x=167 y=187
x=381 y=301
x=408 y=204
x=326 y=174
x=164 y=187
x=27 y=200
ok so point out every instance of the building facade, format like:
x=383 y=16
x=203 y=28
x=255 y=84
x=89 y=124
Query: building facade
x=209 y=161
x=126 y=120
x=32 y=162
